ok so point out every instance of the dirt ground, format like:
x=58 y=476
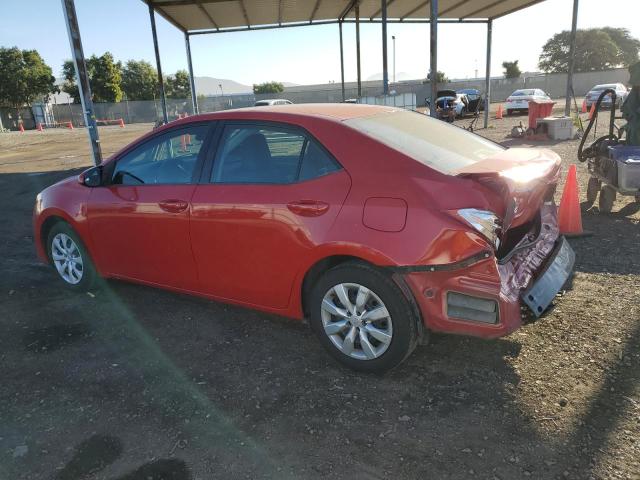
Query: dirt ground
x=133 y=383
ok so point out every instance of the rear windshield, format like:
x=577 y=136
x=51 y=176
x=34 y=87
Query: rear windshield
x=434 y=143
x=521 y=93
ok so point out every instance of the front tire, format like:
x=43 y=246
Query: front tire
x=362 y=318
x=70 y=258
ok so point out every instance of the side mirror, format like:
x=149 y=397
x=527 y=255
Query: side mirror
x=91 y=177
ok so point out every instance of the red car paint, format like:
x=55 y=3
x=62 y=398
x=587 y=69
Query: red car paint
x=253 y=245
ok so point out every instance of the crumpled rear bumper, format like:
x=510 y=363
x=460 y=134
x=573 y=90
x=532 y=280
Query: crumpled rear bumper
x=493 y=287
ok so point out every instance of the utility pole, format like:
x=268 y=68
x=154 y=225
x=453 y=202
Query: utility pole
x=84 y=90
x=572 y=54
x=393 y=37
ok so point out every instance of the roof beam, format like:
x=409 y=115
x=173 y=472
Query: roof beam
x=414 y=10
x=203 y=10
x=453 y=7
x=315 y=10
x=244 y=13
x=487 y=7
x=516 y=9
x=348 y=8
x=377 y=12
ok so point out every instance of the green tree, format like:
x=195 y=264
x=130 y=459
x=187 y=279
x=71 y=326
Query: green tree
x=268 y=87
x=178 y=85
x=441 y=77
x=596 y=49
x=628 y=46
x=139 y=80
x=24 y=77
x=511 y=69
x=105 y=78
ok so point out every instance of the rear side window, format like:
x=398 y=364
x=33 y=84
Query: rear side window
x=251 y=154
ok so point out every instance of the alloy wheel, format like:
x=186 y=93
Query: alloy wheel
x=67 y=258
x=356 y=321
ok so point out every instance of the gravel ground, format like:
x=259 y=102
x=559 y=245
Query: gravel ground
x=129 y=382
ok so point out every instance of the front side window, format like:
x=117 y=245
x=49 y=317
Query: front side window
x=169 y=158
x=257 y=154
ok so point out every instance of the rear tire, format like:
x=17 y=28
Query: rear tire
x=373 y=328
x=70 y=258
x=607 y=197
x=509 y=112
x=593 y=187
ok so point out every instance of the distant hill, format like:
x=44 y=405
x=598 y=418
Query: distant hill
x=211 y=86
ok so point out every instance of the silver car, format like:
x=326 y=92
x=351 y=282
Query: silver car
x=594 y=93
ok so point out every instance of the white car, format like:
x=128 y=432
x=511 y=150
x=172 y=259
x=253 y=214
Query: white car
x=594 y=93
x=272 y=101
x=519 y=100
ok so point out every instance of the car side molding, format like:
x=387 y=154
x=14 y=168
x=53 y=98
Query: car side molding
x=441 y=267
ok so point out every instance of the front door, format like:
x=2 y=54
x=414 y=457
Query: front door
x=139 y=221
x=273 y=192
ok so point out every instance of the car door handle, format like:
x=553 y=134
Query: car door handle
x=308 y=208
x=173 y=206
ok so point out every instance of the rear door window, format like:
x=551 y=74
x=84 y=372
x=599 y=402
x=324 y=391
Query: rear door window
x=265 y=154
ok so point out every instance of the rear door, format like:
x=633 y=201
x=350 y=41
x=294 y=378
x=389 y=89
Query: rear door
x=270 y=195
x=139 y=221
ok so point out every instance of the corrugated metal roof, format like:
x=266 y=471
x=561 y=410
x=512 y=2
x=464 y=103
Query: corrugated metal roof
x=193 y=15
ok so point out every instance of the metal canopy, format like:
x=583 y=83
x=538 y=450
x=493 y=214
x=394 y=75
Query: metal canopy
x=219 y=15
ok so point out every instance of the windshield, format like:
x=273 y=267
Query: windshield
x=434 y=143
x=521 y=93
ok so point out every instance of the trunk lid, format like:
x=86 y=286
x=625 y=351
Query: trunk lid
x=522 y=179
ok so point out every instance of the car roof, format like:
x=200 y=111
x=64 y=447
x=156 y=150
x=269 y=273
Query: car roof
x=606 y=85
x=334 y=111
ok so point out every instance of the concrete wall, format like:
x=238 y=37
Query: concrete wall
x=554 y=84
x=151 y=111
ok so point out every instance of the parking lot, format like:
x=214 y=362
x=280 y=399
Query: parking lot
x=128 y=382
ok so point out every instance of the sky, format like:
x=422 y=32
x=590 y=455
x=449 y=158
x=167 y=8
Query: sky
x=304 y=55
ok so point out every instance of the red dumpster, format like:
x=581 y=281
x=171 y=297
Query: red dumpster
x=539 y=109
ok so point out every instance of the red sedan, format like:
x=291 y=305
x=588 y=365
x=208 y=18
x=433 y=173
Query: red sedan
x=377 y=224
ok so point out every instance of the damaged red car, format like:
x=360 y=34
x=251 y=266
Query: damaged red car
x=379 y=225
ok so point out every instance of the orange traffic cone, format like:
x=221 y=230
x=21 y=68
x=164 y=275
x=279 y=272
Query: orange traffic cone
x=592 y=111
x=121 y=123
x=70 y=125
x=569 y=215
x=183 y=143
x=40 y=129
x=499 y=112
x=584 y=106
x=21 y=128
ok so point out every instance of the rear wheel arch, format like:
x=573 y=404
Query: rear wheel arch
x=315 y=272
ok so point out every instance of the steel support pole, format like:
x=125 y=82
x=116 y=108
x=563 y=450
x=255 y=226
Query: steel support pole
x=433 y=47
x=487 y=80
x=341 y=62
x=84 y=89
x=358 y=49
x=163 y=98
x=192 y=79
x=385 y=70
x=572 y=54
